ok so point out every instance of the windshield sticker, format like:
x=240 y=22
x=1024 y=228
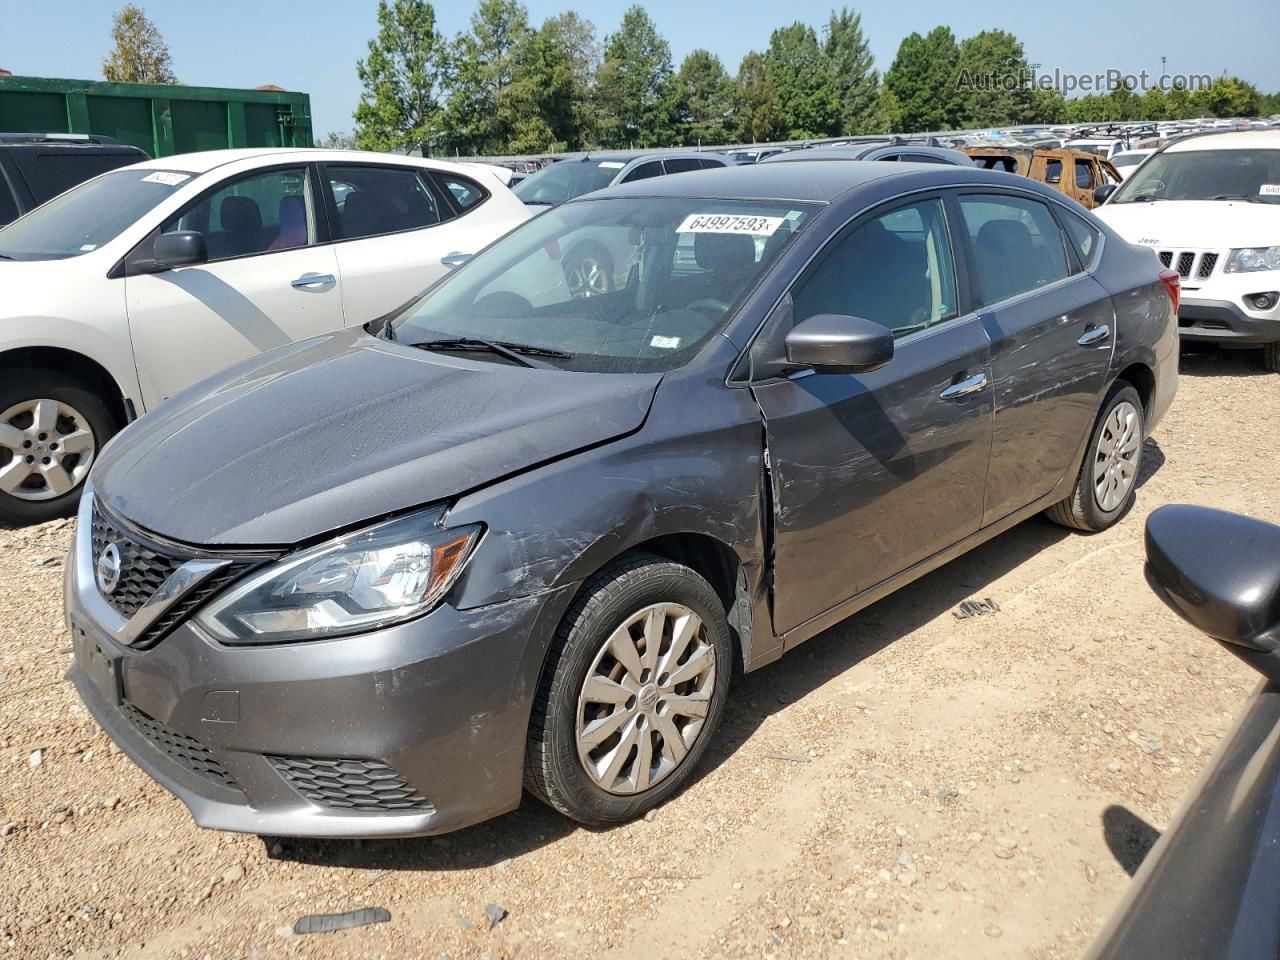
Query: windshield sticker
x=1269 y=190
x=730 y=223
x=168 y=179
x=665 y=343
x=86 y=247
x=611 y=165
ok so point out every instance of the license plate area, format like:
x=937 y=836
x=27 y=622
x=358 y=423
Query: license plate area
x=100 y=665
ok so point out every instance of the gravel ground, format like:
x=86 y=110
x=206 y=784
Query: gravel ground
x=908 y=784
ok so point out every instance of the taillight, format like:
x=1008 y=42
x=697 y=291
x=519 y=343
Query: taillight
x=1172 y=286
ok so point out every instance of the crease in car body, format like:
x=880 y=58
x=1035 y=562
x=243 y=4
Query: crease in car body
x=635 y=482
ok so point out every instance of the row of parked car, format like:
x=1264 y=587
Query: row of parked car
x=545 y=469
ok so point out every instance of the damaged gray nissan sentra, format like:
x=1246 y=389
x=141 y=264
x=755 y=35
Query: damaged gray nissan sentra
x=523 y=533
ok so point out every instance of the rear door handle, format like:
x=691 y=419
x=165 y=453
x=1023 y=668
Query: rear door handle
x=965 y=387
x=1094 y=334
x=313 y=280
x=456 y=259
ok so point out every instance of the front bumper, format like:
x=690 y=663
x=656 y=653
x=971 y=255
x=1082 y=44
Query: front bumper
x=1222 y=321
x=415 y=729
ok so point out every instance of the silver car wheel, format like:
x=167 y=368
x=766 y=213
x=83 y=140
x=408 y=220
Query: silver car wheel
x=46 y=449
x=1115 y=460
x=588 y=278
x=645 y=698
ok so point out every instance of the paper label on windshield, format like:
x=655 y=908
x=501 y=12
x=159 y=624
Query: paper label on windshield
x=1269 y=190
x=665 y=343
x=168 y=179
x=742 y=223
x=611 y=165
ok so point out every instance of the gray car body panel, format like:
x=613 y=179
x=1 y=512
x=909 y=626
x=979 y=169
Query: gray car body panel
x=568 y=471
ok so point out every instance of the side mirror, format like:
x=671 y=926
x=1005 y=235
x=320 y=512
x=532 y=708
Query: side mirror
x=179 y=249
x=834 y=343
x=1101 y=193
x=1221 y=573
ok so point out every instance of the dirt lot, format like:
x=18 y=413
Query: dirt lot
x=909 y=784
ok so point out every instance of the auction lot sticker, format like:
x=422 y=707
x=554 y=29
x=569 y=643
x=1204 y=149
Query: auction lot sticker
x=168 y=179
x=730 y=223
x=1270 y=190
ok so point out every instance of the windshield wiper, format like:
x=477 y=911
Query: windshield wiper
x=1238 y=196
x=1145 y=198
x=5 y=256
x=520 y=353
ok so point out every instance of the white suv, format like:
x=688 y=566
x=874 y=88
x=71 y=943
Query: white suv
x=1209 y=205
x=128 y=288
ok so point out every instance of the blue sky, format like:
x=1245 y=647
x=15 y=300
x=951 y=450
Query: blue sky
x=313 y=46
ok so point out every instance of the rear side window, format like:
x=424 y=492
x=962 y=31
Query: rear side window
x=8 y=206
x=1084 y=237
x=683 y=164
x=1017 y=245
x=1084 y=173
x=372 y=201
x=1053 y=171
x=706 y=164
x=65 y=170
x=466 y=193
x=643 y=172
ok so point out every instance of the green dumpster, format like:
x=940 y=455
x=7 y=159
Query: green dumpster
x=162 y=119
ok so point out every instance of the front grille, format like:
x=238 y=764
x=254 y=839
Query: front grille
x=350 y=784
x=181 y=749
x=1207 y=263
x=191 y=602
x=1166 y=257
x=142 y=570
x=1190 y=262
x=1184 y=264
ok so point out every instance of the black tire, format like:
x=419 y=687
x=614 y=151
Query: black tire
x=583 y=254
x=1081 y=510
x=17 y=386
x=1271 y=357
x=553 y=771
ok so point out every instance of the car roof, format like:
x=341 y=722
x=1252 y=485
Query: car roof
x=207 y=160
x=861 y=151
x=1234 y=140
x=813 y=181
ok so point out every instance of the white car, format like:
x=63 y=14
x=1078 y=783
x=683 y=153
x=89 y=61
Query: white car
x=1127 y=161
x=1104 y=147
x=1209 y=205
x=130 y=287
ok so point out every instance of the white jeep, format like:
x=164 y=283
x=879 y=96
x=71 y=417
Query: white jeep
x=1209 y=205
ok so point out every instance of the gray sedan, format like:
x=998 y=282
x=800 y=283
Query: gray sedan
x=524 y=534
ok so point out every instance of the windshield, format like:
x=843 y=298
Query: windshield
x=1128 y=159
x=1205 y=175
x=613 y=286
x=567 y=179
x=88 y=216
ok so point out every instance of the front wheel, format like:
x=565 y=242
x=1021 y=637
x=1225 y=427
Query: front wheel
x=634 y=688
x=1108 y=477
x=1271 y=357
x=51 y=429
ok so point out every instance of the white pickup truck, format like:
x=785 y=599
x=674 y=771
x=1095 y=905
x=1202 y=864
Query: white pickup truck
x=1209 y=206
x=134 y=285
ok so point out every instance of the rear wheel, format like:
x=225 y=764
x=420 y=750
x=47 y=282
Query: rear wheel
x=1108 y=477
x=634 y=688
x=51 y=429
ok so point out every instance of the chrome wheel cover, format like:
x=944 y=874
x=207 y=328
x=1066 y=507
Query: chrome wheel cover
x=588 y=278
x=46 y=449
x=1115 y=459
x=645 y=698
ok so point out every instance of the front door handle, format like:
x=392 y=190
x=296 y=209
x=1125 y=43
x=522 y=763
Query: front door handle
x=312 y=280
x=965 y=387
x=456 y=259
x=1094 y=334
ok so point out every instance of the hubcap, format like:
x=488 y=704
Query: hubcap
x=588 y=278
x=645 y=698
x=46 y=449
x=1115 y=461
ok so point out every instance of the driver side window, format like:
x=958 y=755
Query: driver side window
x=895 y=269
x=255 y=214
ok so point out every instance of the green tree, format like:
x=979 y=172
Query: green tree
x=808 y=102
x=1178 y=102
x=635 y=86
x=336 y=141
x=993 y=79
x=922 y=80
x=852 y=69
x=1268 y=104
x=757 y=112
x=481 y=117
x=400 y=103
x=1226 y=97
x=140 y=54
x=575 y=39
x=1153 y=105
x=705 y=97
x=1048 y=105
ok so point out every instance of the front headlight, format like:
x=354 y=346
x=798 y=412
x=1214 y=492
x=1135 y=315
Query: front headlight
x=1253 y=260
x=387 y=573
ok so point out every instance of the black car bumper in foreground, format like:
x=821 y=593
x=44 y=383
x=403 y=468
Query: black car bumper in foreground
x=414 y=729
x=1221 y=321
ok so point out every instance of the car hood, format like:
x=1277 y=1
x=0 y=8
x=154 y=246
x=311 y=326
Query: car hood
x=327 y=433
x=1194 y=224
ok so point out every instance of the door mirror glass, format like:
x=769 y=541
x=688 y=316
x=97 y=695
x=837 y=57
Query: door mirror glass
x=181 y=248
x=1104 y=191
x=834 y=343
x=1221 y=573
